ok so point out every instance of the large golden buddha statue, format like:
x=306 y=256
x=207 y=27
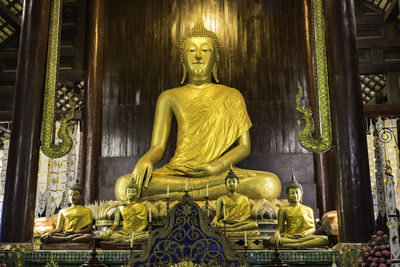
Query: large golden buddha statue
x=296 y=225
x=213 y=133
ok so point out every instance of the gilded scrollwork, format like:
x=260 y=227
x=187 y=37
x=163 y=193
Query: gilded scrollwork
x=186 y=264
x=187 y=237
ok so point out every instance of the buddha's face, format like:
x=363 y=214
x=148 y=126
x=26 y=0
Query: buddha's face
x=295 y=195
x=131 y=193
x=74 y=197
x=231 y=184
x=199 y=57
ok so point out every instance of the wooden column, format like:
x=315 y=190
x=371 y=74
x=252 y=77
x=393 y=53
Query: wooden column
x=92 y=112
x=22 y=168
x=325 y=182
x=353 y=187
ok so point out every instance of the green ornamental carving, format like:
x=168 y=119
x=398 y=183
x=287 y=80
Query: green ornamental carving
x=49 y=148
x=304 y=114
x=186 y=264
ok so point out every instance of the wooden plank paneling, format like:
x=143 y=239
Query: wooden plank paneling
x=263 y=54
x=378 y=41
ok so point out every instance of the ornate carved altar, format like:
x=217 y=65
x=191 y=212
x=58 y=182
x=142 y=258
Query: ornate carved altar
x=187 y=236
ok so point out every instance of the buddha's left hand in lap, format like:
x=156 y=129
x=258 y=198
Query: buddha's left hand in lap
x=202 y=170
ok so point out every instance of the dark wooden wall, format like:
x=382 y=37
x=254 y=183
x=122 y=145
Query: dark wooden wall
x=263 y=54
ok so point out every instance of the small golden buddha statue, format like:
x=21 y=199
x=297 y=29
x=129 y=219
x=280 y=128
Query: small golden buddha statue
x=233 y=208
x=133 y=216
x=74 y=224
x=296 y=225
x=213 y=133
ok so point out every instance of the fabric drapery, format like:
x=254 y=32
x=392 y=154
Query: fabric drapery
x=382 y=136
x=3 y=170
x=56 y=176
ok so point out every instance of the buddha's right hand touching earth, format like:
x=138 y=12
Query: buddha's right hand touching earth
x=142 y=173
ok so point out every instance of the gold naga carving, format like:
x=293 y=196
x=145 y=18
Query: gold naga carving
x=324 y=142
x=49 y=148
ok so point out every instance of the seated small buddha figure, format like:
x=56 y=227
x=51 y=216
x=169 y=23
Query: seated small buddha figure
x=233 y=208
x=213 y=133
x=74 y=224
x=133 y=216
x=296 y=225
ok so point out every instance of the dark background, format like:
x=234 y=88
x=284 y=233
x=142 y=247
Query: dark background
x=263 y=54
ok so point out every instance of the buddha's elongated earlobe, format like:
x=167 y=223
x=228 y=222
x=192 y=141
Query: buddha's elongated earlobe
x=184 y=74
x=215 y=73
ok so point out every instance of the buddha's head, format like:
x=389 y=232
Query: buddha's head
x=231 y=182
x=199 y=54
x=294 y=191
x=131 y=191
x=75 y=194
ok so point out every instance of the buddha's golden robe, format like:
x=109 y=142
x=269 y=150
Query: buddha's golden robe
x=134 y=218
x=76 y=218
x=210 y=118
x=208 y=124
x=299 y=219
x=237 y=208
